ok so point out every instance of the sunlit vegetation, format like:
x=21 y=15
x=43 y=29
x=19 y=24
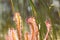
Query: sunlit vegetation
x=29 y=19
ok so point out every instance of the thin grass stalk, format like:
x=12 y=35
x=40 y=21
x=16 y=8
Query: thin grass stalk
x=53 y=26
x=33 y=8
x=12 y=6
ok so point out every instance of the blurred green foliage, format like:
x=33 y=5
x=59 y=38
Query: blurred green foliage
x=40 y=9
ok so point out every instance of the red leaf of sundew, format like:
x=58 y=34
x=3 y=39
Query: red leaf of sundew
x=12 y=35
x=33 y=28
x=48 y=25
x=17 y=19
x=26 y=36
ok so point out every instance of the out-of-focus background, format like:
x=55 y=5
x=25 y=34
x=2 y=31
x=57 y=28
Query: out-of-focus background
x=40 y=9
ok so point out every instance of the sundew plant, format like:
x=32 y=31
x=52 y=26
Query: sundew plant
x=29 y=19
